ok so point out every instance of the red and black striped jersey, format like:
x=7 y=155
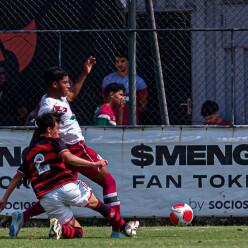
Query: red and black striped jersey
x=44 y=166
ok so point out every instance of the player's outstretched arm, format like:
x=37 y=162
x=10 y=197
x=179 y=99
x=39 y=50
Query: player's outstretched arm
x=12 y=185
x=73 y=160
x=88 y=65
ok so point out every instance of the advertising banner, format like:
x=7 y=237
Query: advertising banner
x=205 y=167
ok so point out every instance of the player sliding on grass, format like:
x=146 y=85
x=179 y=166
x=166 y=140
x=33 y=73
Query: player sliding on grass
x=47 y=166
x=57 y=100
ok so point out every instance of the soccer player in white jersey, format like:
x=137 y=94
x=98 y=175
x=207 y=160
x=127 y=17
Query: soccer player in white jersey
x=57 y=99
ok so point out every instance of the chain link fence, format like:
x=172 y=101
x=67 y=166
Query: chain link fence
x=203 y=47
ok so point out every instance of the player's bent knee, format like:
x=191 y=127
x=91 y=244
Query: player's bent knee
x=93 y=201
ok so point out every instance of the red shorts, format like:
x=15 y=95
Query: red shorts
x=81 y=150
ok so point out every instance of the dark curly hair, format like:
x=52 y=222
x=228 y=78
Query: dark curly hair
x=209 y=108
x=54 y=74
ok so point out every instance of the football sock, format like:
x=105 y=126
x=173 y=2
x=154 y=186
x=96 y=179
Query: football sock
x=111 y=215
x=72 y=232
x=109 y=190
x=108 y=185
x=34 y=210
x=110 y=196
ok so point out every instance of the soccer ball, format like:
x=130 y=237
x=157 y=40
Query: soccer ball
x=181 y=214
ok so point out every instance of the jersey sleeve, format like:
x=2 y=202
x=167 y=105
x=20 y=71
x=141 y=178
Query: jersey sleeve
x=103 y=116
x=110 y=78
x=141 y=84
x=60 y=146
x=23 y=169
x=103 y=122
x=45 y=108
x=104 y=83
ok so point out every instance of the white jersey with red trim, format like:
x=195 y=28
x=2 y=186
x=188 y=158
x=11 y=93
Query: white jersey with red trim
x=70 y=131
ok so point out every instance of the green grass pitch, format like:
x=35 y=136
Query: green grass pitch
x=160 y=236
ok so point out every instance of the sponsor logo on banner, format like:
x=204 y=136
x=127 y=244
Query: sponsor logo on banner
x=188 y=155
x=154 y=169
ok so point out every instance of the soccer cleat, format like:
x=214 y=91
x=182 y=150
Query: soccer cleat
x=118 y=235
x=16 y=224
x=55 y=229
x=128 y=230
x=134 y=225
x=123 y=234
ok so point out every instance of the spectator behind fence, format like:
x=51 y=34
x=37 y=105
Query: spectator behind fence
x=12 y=109
x=114 y=99
x=121 y=76
x=211 y=114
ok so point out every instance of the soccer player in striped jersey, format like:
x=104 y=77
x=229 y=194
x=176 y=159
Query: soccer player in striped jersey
x=47 y=166
x=104 y=115
x=60 y=93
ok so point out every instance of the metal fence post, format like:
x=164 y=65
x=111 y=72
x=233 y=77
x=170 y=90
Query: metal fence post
x=157 y=64
x=132 y=60
x=232 y=76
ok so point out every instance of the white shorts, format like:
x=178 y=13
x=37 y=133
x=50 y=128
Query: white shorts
x=57 y=203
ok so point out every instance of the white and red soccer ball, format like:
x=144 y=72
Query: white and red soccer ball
x=181 y=214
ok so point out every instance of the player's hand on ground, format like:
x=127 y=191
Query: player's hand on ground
x=88 y=65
